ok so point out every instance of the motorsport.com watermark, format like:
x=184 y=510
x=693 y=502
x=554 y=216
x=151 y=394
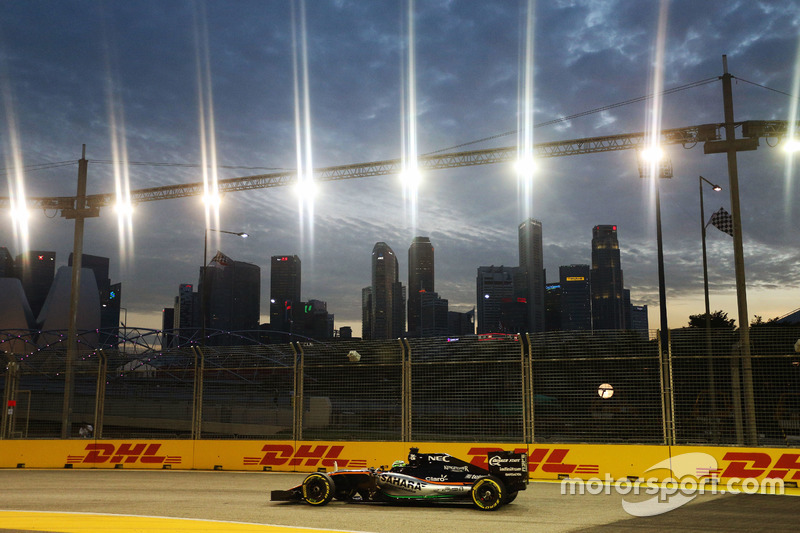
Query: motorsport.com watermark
x=670 y=493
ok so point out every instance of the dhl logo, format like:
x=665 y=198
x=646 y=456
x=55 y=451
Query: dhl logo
x=755 y=464
x=551 y=460
x=124 y=453
x=304 y=455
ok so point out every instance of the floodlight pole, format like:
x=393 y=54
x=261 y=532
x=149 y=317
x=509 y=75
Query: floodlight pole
x=79 y=212
x=751 y=435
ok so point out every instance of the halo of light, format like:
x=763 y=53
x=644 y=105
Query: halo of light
x=212 y=199
x=791 y=145
x=411 y=177
x=652 y=154
x=525 y=166
x=306 y=189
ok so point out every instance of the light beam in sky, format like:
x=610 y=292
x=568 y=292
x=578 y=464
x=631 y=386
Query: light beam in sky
x=119 y=153
x=410 y=176
x=525 y=165
x=205 y=109
x=791 y=138
x=16 y=182
x=305 y=188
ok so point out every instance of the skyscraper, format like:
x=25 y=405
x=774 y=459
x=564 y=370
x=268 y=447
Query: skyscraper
x=494 y=284
x=366 y=313
x=576 y=297
x=6 y=263
x=433 y=315
x=531 y=266
x=110 y=300
x=186 y=314
x=420 y=280
x=607 y=286
x=284 y=291
x=36 y=269
x=233 y=294
x=552 y=307
x=387 y=305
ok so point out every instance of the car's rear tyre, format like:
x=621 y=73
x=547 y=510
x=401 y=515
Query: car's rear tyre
x=488 y=493
x=510 y=497
x=318 y=489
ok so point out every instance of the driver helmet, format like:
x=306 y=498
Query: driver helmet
x=398 y=464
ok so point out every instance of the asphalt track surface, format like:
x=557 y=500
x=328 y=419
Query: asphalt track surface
x=174 y=500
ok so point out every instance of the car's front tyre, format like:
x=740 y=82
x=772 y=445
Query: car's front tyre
x=318 y=489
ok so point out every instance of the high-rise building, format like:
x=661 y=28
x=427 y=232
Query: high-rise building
x=6 y=263
x=233 y=294
x=313 y=320
x=366 y=313
x=186 y=314
x=552 y=307
x=531 y=266
x=36 y=269
x=110 y=295
x=461 y=323
x=433 y=315
x=167 y=325
x=639 y=320
x=387 y=298
x=607 y=286
x=576 y=297
x=284 y=291
x=494 y=284
x=420 y=280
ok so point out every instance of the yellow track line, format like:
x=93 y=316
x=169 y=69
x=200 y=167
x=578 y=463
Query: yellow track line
x=92 y=522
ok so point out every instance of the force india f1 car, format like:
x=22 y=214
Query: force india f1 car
x=426 y=477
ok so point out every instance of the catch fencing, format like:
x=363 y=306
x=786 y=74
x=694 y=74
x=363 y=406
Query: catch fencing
x=601 y=387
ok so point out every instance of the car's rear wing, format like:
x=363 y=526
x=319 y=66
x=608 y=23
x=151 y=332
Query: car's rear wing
x=511 y=467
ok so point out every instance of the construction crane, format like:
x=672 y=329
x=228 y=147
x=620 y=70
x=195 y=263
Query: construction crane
x=708 y=134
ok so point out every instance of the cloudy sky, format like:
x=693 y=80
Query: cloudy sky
x=74 y=72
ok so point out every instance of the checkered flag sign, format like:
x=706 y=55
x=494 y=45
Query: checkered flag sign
x=723 y=221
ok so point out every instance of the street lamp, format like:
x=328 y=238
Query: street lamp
x=703 y=226
x=712 y=389
x=205 y=270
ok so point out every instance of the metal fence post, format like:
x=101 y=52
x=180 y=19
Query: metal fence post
x=405 y=401
x=100 y=394
x=297 y=430
x=10 y=393
x=528 y=400
x=197 y=395
x=667 y=400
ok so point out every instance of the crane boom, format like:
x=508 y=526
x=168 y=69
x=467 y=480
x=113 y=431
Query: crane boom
x=687 y=136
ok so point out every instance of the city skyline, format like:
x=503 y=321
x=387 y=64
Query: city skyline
x=587 y=55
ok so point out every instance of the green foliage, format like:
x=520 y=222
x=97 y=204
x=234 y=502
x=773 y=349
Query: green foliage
x=718 y=319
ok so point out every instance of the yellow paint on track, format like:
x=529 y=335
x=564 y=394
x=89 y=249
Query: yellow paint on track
x=92 y=522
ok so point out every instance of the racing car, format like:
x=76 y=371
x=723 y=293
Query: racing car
x=425 y=477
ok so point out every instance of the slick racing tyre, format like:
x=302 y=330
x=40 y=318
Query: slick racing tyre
x=510 y=497
x=318 y=489
x=488 y=493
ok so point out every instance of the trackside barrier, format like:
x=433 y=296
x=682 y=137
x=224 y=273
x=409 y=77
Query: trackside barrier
x=546 y=462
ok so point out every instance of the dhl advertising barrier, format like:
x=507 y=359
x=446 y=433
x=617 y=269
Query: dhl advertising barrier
x=546 y=462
